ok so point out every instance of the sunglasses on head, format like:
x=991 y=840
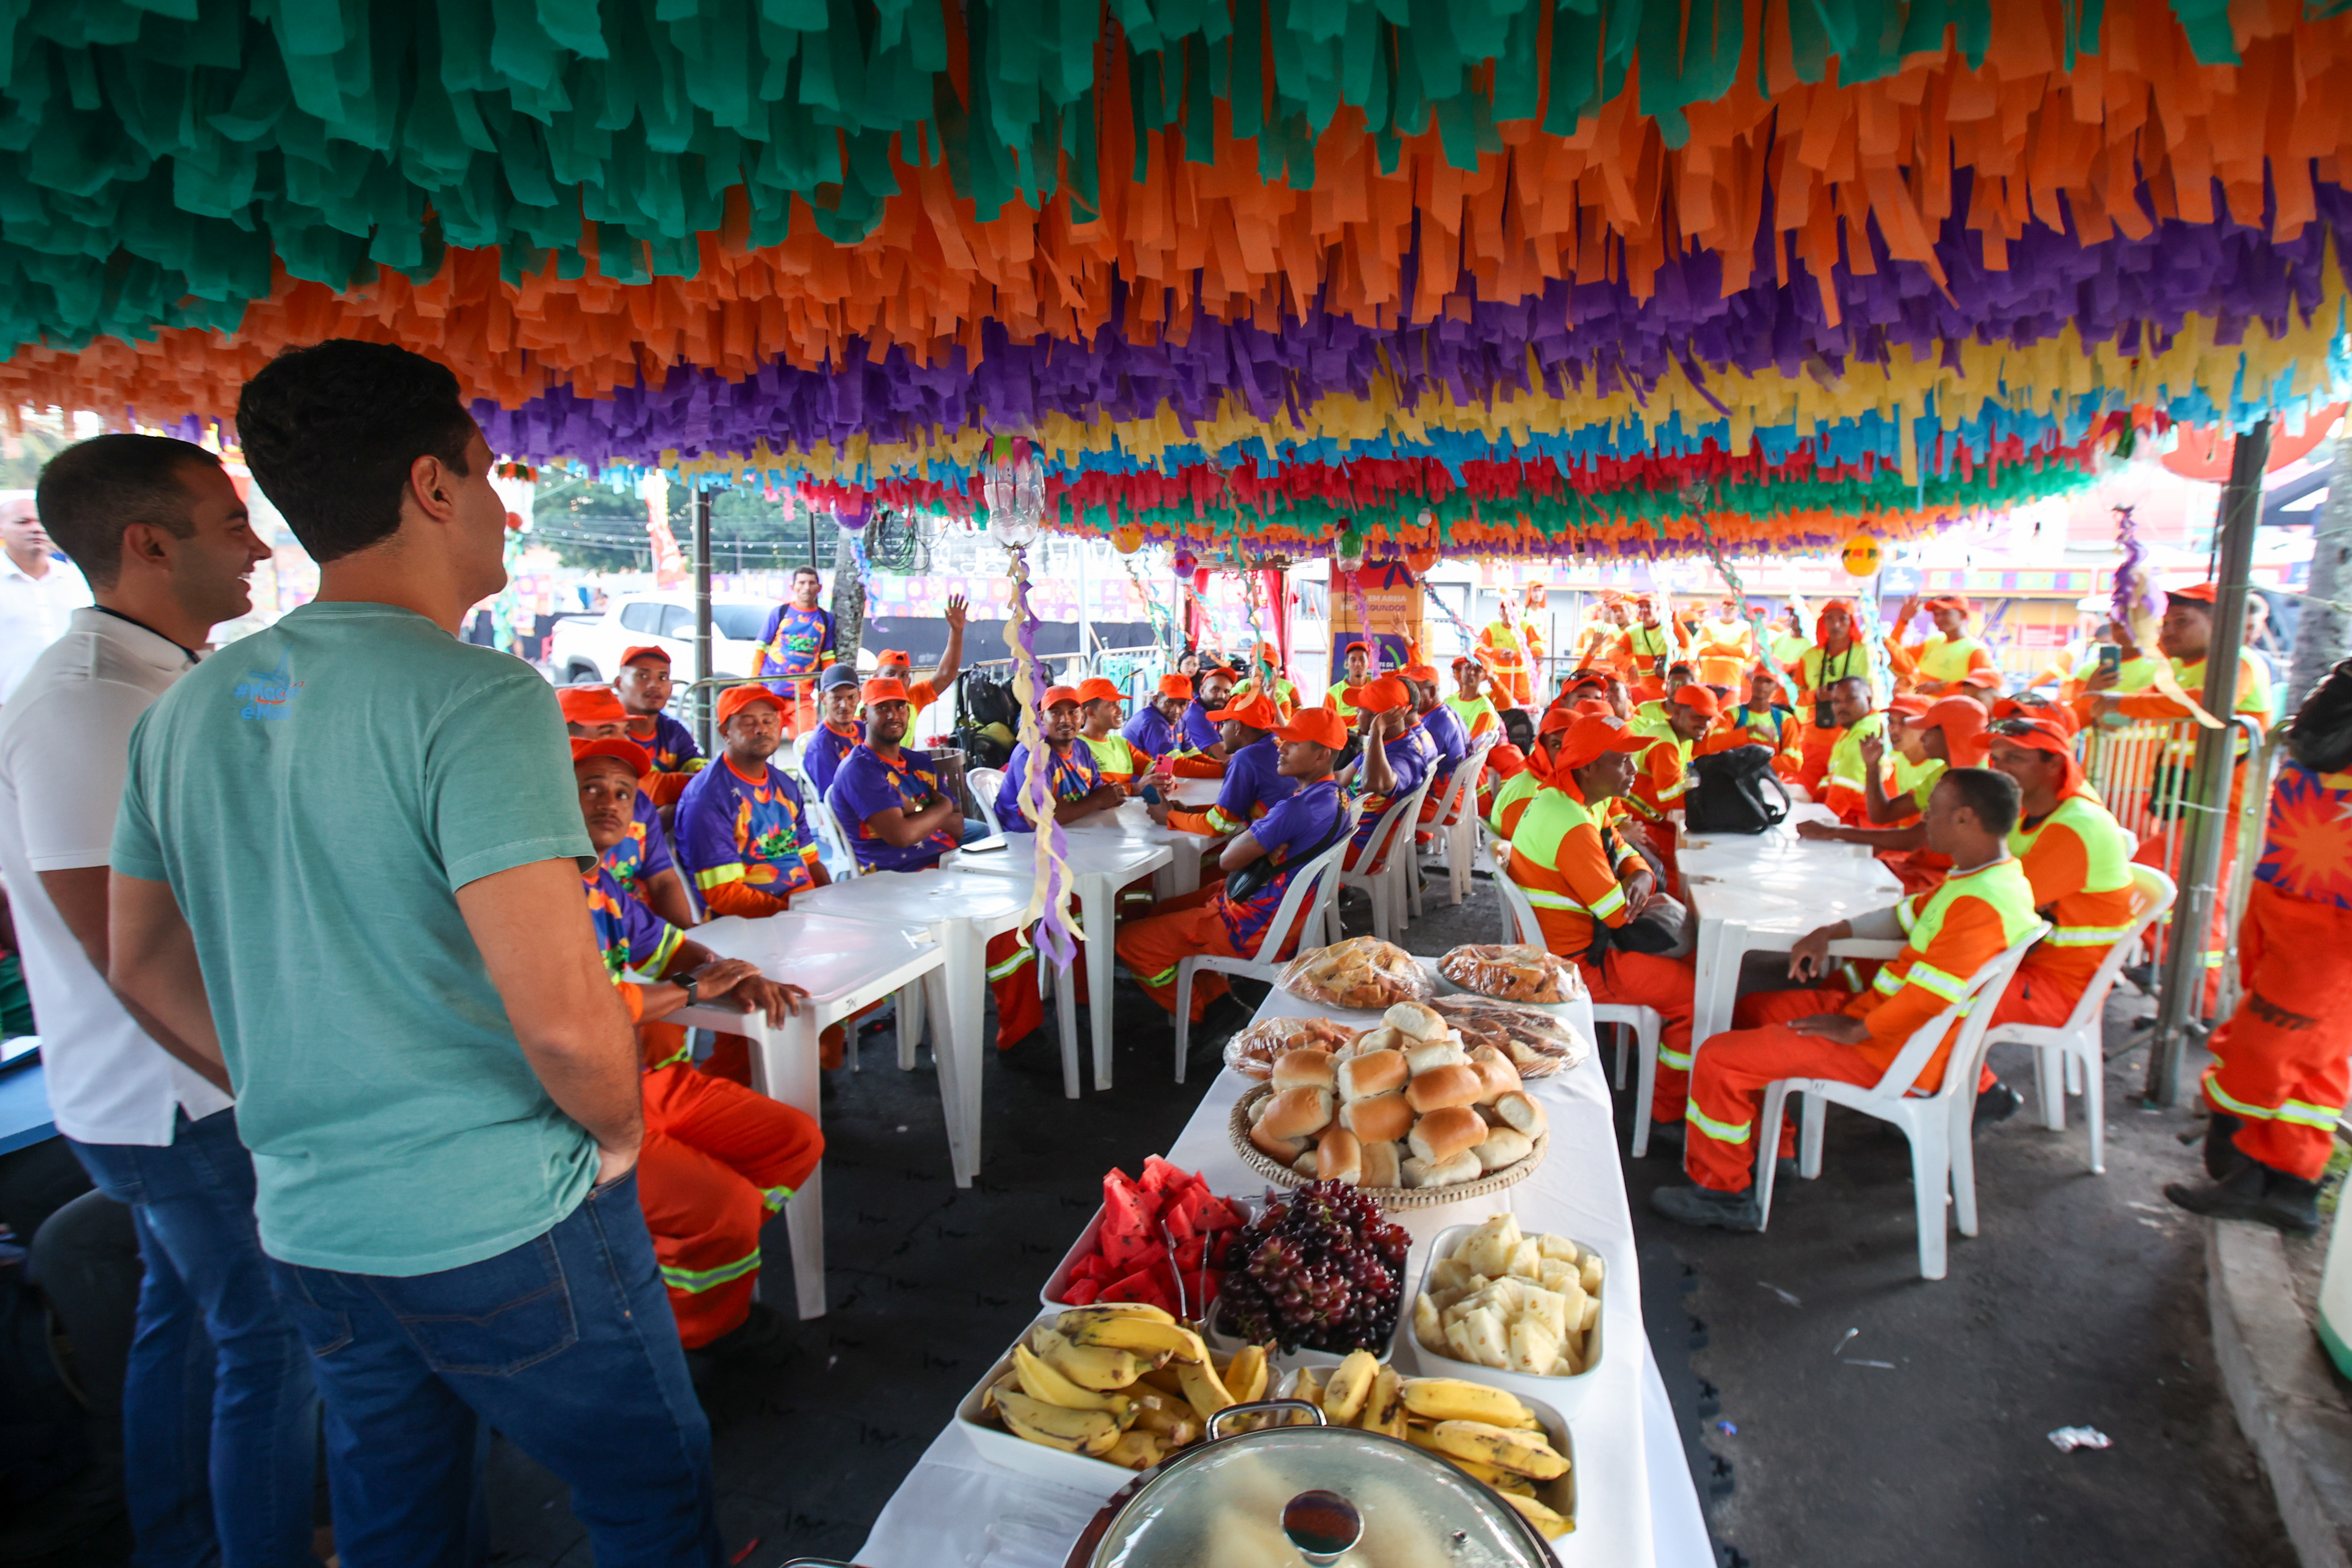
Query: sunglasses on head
x=2019 y=728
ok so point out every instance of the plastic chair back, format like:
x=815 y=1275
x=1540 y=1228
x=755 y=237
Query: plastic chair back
x=1990 y=981
x=2152 y=894
x=1312 y=885
x=1522 y=913
x=833 y=845
x=985 y=782
x=1467 y=779
x=1400 y=814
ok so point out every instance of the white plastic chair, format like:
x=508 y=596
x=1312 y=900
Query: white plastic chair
x=1943 y=1162
x=1385 y=865
x=1455 y=830
x=985 y=782
x=1643 y=1026
x=2070 y=1059
x=1310 y=890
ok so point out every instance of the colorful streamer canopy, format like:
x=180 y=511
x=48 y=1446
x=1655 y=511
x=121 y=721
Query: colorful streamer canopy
x=847 y=240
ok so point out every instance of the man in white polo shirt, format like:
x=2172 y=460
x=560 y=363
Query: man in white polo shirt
x=37 y=591
x=158 y=528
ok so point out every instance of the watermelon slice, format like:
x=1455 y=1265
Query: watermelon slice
x=1081 y=1292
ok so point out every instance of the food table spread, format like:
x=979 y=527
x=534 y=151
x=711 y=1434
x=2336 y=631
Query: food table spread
x=843 y=965
x=1761 y=892
x=962 y=912
x=1636 y=1504
x=1100 y=865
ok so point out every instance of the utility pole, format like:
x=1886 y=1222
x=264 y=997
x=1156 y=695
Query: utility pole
x=2323 y=632
x=2208 y=822
x=706 y=702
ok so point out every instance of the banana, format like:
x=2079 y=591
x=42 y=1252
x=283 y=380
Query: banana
x=1309 y=1388
x=1130 y=1310
x=1121 y=1331
x=1486 y=1473
x=1522 y=1452
x=1552 y=1524
x=1136 y=1450
x=1351 y=1380
x=1245 y=1376
x=1072 y=1431
x=1383 y=1409
x=1041 y=1380
x=1164 y=1379
x=1088 y=1366
x=1202 y=1387
x=1451 y=1399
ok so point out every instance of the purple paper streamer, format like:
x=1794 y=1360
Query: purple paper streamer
x=2135 y=594
x=1055 y=938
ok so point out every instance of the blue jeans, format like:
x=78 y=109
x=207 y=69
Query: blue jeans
x=973 y=828
x=565 y=1344
x=220 y=1418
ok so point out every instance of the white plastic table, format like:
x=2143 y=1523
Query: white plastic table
x=843 y=965
x=1635 y=1503
x=1132 y=821
x=962 y=910
x=1100 y=865
x=1761 y=892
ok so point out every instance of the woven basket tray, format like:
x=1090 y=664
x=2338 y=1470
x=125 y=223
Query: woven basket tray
x=1511 y=1175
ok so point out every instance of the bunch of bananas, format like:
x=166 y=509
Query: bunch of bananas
x=1120 y=1381
x=1482 y=1432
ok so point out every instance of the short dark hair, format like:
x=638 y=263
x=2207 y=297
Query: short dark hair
x=1993 y=797
x=798 y=572
x=92 y=491
x=331 y=432
x=1862 y=681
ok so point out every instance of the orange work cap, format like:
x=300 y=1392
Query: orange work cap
x=1962 y=720
x=624 y=751
x=1320 y=725
x=1180 y=686
x=735 y=699
x=591 y=705
x=1058 y=695
x=1698 y=700
x=881 y=689
x=644 y=650
x=1257 y=711
x=1595 y=734
x=1379 y=696
x=1420 y=672
x=1094 y=688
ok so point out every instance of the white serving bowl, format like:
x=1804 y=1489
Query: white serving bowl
x=1566 y=1394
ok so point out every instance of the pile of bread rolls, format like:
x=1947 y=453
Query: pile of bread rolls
x=1402 y=1105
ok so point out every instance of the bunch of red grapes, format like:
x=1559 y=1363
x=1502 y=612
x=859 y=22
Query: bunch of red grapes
x=1319 y=1269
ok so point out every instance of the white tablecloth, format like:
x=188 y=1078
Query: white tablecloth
x=1635 y=1502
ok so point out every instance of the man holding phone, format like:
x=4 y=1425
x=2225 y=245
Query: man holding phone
x=896 y=806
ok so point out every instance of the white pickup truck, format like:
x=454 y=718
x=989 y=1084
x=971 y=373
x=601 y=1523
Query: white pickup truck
x=588 y=648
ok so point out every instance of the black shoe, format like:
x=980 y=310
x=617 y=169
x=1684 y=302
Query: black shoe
x=2142 y=976
x=1998 y=1103
x=2256 y=1193
x=1784 y=1169
x=1666 y=1132
x=1695 y=1204
x=762 y=1339
x=2222 y=1155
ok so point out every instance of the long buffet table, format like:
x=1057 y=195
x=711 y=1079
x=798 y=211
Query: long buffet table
x=1635 y=1502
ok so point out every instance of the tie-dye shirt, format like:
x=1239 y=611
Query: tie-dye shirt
x=671 y=745
x=868 y=783
x=633 y=939
x=1074 y=774
x=643 y=854
x=735 y=828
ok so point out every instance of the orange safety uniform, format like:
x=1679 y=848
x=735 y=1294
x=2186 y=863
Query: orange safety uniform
x=2282 y=1064
x=1570 y=873
x=1511 y=649
x=1815 y=669
x=2078 y=861
x=1938 y=659
x=1724 y=650
x=1967 y=922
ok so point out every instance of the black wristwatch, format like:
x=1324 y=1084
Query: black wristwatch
x=687 y=983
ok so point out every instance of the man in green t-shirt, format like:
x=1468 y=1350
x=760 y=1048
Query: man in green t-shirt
x=346 y=865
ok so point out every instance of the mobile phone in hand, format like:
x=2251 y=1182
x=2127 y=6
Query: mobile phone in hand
x=1151 y=795
x=2111 y=658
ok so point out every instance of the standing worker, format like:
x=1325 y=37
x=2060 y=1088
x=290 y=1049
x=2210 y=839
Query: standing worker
x=797 y=645
x=1725 y=645
x=1940 y=664
x=1510 y=652
x=2279 y=1073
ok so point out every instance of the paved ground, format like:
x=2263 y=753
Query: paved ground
x=2082 y=1303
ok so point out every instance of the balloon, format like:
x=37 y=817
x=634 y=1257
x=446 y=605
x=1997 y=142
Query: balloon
x=1419 y=561
x=1126 y=541
x=1185 y=562
x=1860 y=556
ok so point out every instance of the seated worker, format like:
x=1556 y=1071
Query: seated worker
x=1355 y=668
x=1394 y=760
x=1844 y=786
x=840 y=700
x=718 y=1158
x=1836 y=654
x=1983 y=909
x=1447 y=738
x=1584 y=882
x=1505 y=762
x=1662 y=772
x=1935 y=665
x=887 y=798
x=1100 y=708
x=1203 y=753
x=644 y=687
x=1156 y=729
x=1476 y=711
x=1076 y=789
x=1302 y=822
x=1511 y=801
x=1952 y=732
x=1766 y=715
x=1267 y=676
x=1580 y=685
x=892 y=664
x=1253 y=782
x=1651 y=717
x=1906 y=774
x=640 y=862
x=2183 y=637
x=1849 y=703
x=742 y=827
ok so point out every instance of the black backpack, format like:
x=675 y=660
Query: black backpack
x=1729 y=797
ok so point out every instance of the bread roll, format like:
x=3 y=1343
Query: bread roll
x=1415 y=1020
x=1338 y=1157
x=1380 y=1166
x=1380 y=1072
x=1383 y=1119
x=1442 y=1134
x=1308 y=1068
x=1434 y=1054
x=1297 y=1113
x=1495 y=1070
x=1420 y=1173
x=1455 y=1084
x=1379 y=1039
x=1305 y=1164
x=1502 y=1147
x=1281 y=1150
x=1522 y=1113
